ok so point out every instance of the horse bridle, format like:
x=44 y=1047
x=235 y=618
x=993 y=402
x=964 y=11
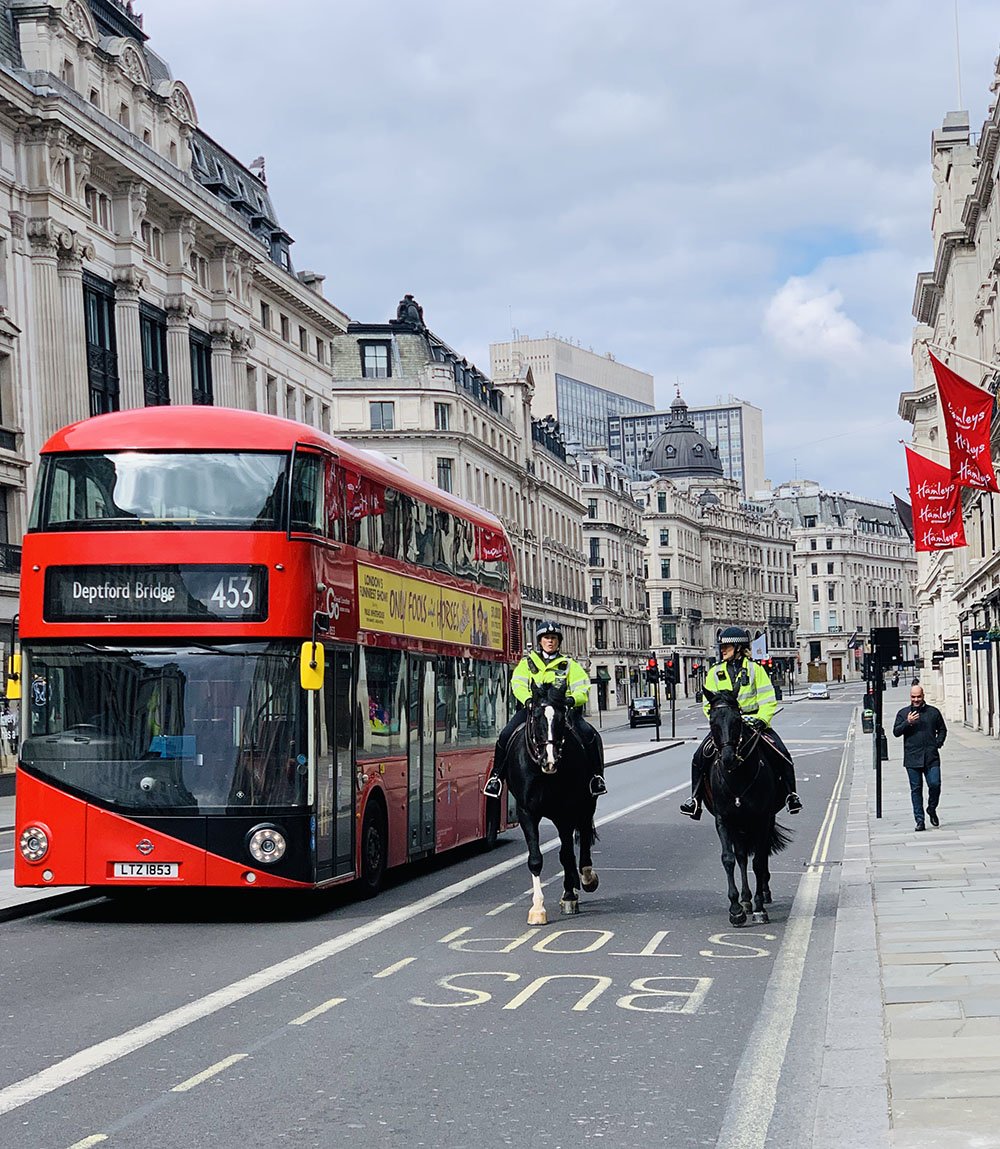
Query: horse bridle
x=747 y=744
x=540 y=752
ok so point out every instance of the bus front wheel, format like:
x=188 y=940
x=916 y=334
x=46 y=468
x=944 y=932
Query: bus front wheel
x=374 y=850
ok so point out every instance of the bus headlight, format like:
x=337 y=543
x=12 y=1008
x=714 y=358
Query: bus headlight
x=34 y=843
x=266 y=844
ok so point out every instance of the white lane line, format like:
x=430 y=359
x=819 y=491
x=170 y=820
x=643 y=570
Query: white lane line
x=394 y=968
x=93 y=1139
x=451 y=937
x=306 y=1017
x=205 y=1074
x=492 y=914
x=114 y=1048
x=755 y=1091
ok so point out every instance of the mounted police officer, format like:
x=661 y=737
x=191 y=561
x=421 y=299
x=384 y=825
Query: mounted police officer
x=748 y=680
x=547 y=666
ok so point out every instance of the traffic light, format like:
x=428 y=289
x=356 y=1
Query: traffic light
x=652 y=670
x=671 y=670
x=695 y=668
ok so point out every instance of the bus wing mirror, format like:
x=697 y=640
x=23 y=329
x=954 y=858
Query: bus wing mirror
x=312 y=659
x=14 y=677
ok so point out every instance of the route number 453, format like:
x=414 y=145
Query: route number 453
x=233 y=593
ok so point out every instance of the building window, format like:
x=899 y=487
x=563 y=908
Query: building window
x=99 y=206
x=442 y=418
x=815 y=621
x=265 y=315
x=829 y=568
x=812 y=544
x=201 y=369
x=375 y=361
x=303 y=339
x=661 y=501
x=664 y=568
x=829 y=544
x=815 y=593
x=285 y=330
x=833 y=619
x=591 y=508
x=123 y=115
x=597 y=591
x=320 y=350
x=102 y=346
x=444 y=480
x=152 y=239
x=665 y=602
x=814 y=568
x=382 y=416
x=153 y=333
x=831 y=592
x=664 y=537
x=668 y=633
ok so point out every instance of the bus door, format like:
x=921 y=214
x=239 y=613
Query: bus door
x=334 y=736
x=420 y=755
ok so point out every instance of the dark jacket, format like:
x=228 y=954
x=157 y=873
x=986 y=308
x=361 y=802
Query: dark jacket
x=921 y=739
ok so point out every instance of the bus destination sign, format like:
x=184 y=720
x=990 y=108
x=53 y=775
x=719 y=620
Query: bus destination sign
x=156 y=594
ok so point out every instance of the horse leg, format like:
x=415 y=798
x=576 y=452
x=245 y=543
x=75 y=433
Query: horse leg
x=761 y=875
x=737 y=915
x=743 y=859
x=570 y=903
x=588 y=875
x=536 y=915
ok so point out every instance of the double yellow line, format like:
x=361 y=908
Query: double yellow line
x=822 y=847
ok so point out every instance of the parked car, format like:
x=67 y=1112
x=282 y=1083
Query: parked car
x=818 y=690
x=642 y=710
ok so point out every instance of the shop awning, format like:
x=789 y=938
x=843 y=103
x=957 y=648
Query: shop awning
x=603 y=674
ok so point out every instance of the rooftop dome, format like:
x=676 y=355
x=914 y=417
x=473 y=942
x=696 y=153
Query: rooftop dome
x=680 y=452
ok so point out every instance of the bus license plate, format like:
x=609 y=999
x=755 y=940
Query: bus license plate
x=146 y=869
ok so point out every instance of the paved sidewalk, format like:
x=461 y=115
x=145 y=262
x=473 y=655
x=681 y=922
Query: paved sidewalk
x=936 y=898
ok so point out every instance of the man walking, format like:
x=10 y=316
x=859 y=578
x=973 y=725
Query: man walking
x=923 y=732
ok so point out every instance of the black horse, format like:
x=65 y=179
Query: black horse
x=548 y=774
x=744 y=795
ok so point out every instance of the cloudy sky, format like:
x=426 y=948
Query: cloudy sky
x=732 y=196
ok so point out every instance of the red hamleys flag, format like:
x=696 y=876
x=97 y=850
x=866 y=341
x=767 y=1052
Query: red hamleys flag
x=937 y=505
x=968 y=413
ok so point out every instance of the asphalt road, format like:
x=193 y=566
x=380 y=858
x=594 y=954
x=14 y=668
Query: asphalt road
x=434 y=1015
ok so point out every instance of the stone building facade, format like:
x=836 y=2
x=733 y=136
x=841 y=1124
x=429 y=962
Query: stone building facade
x=400 y=389
x=712 y=559
x=957 y=310
x=615 y=542
x=140 y=263
x=854 y=569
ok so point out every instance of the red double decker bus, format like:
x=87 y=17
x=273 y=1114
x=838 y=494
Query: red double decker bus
x=252 y=655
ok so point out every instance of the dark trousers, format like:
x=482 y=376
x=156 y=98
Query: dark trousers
x=775 y=750
x=918 y=774
x=588 y=737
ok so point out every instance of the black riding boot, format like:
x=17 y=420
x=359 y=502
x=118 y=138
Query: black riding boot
x=785 y=768
x=692 y=807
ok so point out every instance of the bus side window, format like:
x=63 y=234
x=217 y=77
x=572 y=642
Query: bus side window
x=335 y=503
x=307 y=503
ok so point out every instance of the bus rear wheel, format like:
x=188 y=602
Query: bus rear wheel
x=374 y=850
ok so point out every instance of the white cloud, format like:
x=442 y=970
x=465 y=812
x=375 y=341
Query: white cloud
x=805 y=320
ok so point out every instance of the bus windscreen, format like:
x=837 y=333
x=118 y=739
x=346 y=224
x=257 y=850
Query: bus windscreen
x=136 y=490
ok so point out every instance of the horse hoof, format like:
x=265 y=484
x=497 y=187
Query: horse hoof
x=569 y=907
x=737 y=919
x=760 y=918
x=537 y=918
x=589 y=879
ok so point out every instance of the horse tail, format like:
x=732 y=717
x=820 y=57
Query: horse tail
x=780 y=838
x=593 y=835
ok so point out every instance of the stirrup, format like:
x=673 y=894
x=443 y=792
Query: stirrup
x=692 y=808
x=793 y=803
x=493 y=787
x=597 y=786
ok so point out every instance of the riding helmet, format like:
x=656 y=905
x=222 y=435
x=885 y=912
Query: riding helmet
x=734 y=636
x=547 y=627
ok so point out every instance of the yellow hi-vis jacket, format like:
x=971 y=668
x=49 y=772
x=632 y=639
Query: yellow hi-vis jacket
x=534 y=668
x=753 y=688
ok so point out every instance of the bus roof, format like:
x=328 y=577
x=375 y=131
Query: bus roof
x=230 y=429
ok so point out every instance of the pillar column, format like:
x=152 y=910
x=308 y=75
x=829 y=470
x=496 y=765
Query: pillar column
x=242 y=343
x=179 y=311
x=47 y=340
x=128 y=282
x=73 y=249
x=222 y=363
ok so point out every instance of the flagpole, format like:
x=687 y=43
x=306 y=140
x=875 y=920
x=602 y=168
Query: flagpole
x=925 y=447
x=994 y=367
